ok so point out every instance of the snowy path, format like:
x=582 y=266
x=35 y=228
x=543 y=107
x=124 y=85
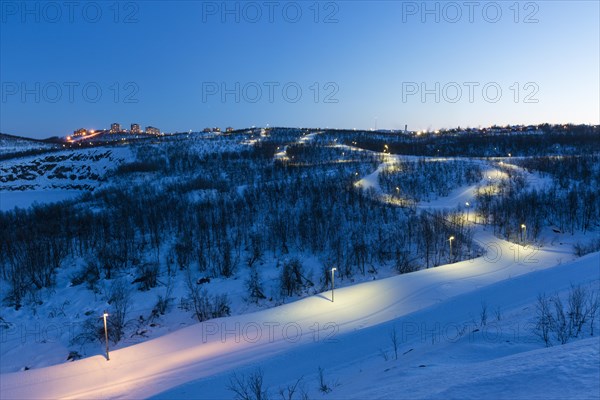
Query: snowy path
x=199 y=351
x=281 y=155
x=211 y=349
x=458 y=196
x=502 y=360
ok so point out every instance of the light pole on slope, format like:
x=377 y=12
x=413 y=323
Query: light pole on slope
x=332 y=282
x=106 y=334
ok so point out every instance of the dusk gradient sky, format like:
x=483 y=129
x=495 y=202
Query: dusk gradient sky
x=357 y=64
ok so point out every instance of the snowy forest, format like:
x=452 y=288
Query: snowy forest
x=253 y=205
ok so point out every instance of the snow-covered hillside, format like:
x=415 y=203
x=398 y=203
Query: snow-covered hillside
x=13 y=144
x=56 y=176
x=63 y=170
x=437 y=317
x=212 y=255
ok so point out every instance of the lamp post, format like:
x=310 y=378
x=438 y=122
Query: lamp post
x=332 y=282
x=467 y=205
x=523 y=231
x=106 y=334
x=450 y=241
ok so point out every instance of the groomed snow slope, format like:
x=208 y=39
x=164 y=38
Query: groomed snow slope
x=501 y=360
x=285 y=335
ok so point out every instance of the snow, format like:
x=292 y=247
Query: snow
x=458 y=197
x=444 y=350
x=14 y=144
x=358 y=321
x=481 y=362
x=25 y=199
x=56 y=176
x=555 y=373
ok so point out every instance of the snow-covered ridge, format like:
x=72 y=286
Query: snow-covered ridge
x=56 y=175
x=15 y=144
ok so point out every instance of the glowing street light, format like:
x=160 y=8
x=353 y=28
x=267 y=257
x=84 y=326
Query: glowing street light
x=450 y=241
x=523 y=231
x=467 y=205
x=332 y=282
x=106 y=334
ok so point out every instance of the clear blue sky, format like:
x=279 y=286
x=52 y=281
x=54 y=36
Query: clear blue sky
x=188 y=65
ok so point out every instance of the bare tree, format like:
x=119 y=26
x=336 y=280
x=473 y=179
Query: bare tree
x=323 y=386
x=562 y=329
x=288 y=392
x=395 y=341
x=291 y=277
x=576 y=309
x=483 y=314
x=248 y=388
x=592 y=309
x=119 y=298
x=206 y=306
x=254 y=286
x=544 y=319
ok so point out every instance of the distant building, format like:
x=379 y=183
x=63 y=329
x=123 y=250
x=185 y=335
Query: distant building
x=229 y=129
x=135 y=129
x=115 y=128
x=80 y=132
x=150 y=130
x=207 y=130
x=216 y=129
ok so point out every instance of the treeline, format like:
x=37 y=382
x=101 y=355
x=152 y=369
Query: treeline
x=553 y=140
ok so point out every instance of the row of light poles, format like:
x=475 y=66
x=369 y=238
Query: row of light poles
x=450 y=239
